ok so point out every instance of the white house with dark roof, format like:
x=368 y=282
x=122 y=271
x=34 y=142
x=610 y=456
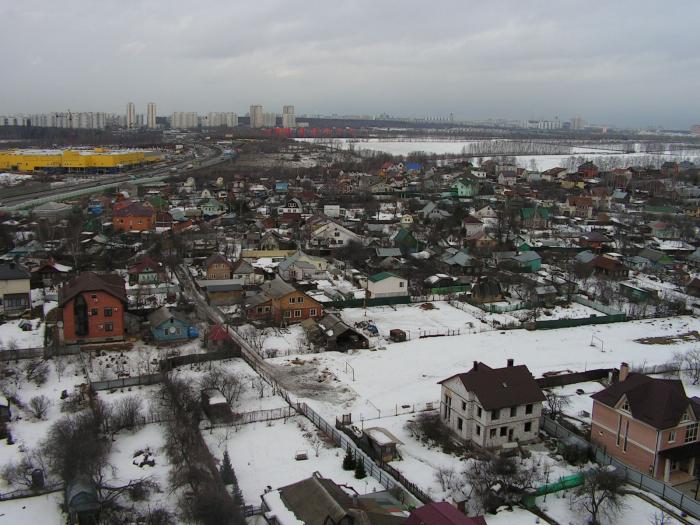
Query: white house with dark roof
x=492 y=406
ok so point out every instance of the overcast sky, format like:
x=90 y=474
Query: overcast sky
x=614 y=62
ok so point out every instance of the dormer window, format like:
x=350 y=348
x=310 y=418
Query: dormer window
x=625 y=406
x=685 y=418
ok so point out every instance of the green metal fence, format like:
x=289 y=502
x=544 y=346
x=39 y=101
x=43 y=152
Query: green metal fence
x=568 y=323
x=361 y=303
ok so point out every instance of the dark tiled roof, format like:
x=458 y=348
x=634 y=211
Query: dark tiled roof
x=441 y=513
x=216 y=258
x=657 y=402
x=12 y=271
x=110 y=283
x=135 y=209
x=501 y=387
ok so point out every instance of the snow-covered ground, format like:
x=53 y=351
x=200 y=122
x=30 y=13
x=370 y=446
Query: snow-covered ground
x=13 y=337
x=38 y=509
x=636 y=511
x=407 y=373
x=263 y=455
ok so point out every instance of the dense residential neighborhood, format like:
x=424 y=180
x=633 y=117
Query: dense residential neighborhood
x=354 y=337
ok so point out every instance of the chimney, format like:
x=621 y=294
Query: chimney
x=476 y=365
x=624 y=371
x=510 y=363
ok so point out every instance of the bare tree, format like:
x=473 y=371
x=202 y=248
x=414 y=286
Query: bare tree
x=661 y=518
x=124 y=414
x=555 y=404
x=39 y=406
x=19 y=473
x=601 y=495
x=226 y=382
x=690 y=364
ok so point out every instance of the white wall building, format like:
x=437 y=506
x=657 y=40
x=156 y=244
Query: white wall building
x=492 y=406
x=256 y=116
x=289 y=119
x=386 y=284
x=130 y=115
x=151 y=115
x=184 y=120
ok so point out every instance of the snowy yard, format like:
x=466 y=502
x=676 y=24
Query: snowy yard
x=380 y=384
x=13 y=337
x=263 y=455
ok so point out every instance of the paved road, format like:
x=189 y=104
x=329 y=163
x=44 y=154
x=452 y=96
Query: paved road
x=32 y=199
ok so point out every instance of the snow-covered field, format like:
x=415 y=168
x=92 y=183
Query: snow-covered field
x=539 y=162
x=13 y=337
x=263 y=455
x=407 y=373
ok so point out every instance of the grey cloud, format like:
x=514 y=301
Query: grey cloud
x=618 y=62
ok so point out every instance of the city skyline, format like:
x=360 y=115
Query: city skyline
x=508 y=60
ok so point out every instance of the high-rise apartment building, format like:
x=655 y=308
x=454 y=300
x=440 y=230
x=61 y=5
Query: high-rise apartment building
x=151 y=115
x=221 y=119
x=184 y=120
x=256 y=116
x=269 y=120
x=289 y=119
x=130 y=115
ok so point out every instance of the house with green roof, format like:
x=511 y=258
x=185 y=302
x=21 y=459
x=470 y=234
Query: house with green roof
x=536 y=218
x=386 y=284
x=465 y=188
x=405 y=241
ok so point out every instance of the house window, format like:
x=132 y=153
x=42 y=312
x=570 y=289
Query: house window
x=504 y=431
x=478 y=412
x=448 y=408
x=464 y=406
x=300 y=299
x=528 y=409
x=459 y=423
x=287 y=313
x=625 y=406
x=672 y=436
x=266 y=309
x=513 y=411
x=477 y=428
x=528 y=426
x=691 y=433
x=619 y=427
x=492 y=433
x=495 y=414
x=627 y=431
x=292 y=300
x=109 y=327
x=93 y=311
x=312 y=312
x=94 y=296
x=297 y=313
x=401 y=283
x=108 y=312
x=684 y=417
x=260 y=309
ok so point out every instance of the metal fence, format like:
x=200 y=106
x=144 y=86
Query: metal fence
x=255 y=416
x=126 y=382
x=381 y=474
x=634 y=477
x=21 y=353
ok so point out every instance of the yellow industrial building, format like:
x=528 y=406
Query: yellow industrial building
x=75 y=160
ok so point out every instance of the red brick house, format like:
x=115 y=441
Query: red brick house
x=650 y=424
x=134 y=217
x=93 y=308
x=281 y=303
x=588 y=170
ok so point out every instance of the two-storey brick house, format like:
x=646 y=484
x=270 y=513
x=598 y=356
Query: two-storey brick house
x=217 y=267
x=650 y=424
x=281 y=303
x=492 y=406
x=92 y=307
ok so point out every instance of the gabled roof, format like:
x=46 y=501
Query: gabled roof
x=441 y=513
x=12 y=272
x=218 y=333
x=216 y=258
x=654 y=401
x=277 y=288
x=135 y=209
x=164 y=314
x=144 y=264
x=381 y=276
x=501 y=387
x=110 y=283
